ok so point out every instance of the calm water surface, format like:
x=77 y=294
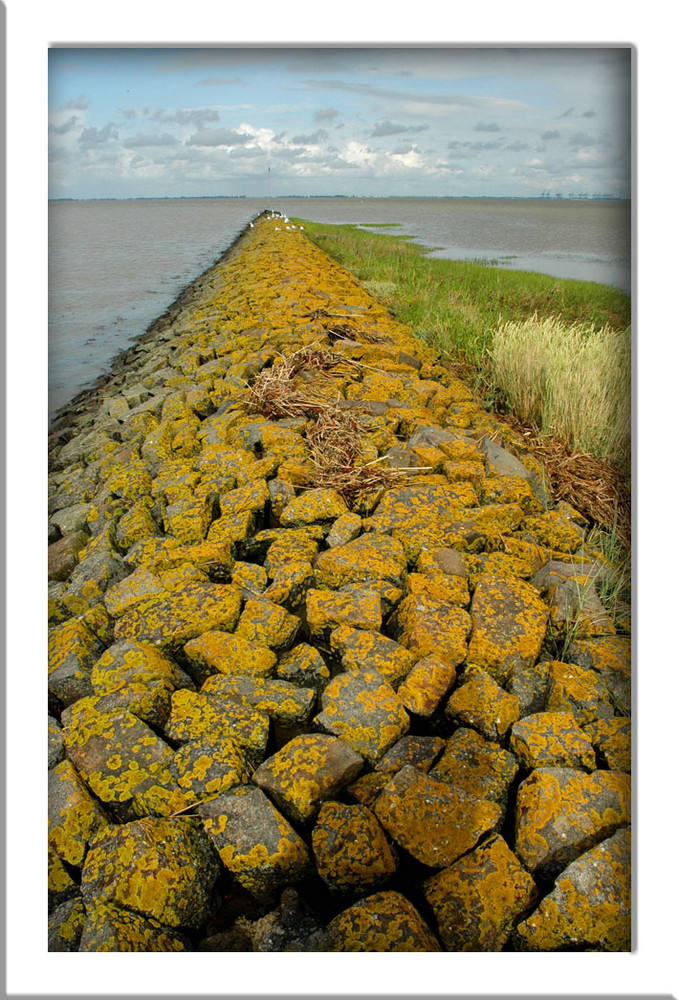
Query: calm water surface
x=115 y=266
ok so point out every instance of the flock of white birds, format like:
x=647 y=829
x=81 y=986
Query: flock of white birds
x=278 y=217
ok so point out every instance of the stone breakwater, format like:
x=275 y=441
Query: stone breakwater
x=315 y=681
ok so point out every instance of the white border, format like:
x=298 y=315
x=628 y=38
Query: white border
x=32 y=26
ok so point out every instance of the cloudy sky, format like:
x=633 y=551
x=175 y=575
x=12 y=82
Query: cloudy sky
x=133 y=122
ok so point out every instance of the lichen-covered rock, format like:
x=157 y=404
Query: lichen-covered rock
x=590 y=905
x=509 y=622
x=581 y=692
x=308 y=770
x=326 y=610
x=345 y=529
x=129 y=662
x=561 y=813
x=55 y=743
x=442 y=587
x=476 y=766
x=426 y=685
x=362 y=649
x=74 y=816
x=60 y=882
x=137 y=587
x=428 y=627
x=111 y=928
x=481 y=703
x=418 y=751
x=72 y=650
x=267 y=624
x=211 y=719
x=303 y=665
x=431 y=819
x=555 y=531
x=551 y=739
x=478 y=900
x=170 y=620
x=65 y=926
x=361 y=708
x=62 y=555
x=612 y=741
x=208 y=769
x=611 y=658
x=282 y=702
x=164 y=869
x=366 y=560
x=313 y=506
x=290 y=584
x=225 y=653
x=385 y=922
x=255 y=841
x=350 y=848
x=123 y=761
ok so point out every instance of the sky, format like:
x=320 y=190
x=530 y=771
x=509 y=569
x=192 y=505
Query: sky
x=369 y=122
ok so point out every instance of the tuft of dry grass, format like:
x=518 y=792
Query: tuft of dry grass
x=275 y=393
x=335 y=446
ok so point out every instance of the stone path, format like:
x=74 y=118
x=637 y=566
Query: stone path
x=296 y=707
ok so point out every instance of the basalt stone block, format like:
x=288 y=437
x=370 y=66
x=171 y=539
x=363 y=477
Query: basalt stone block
x=345 y=529
x=211 y=719
x=555 y=531
x=573 y=601
x=225 y=653
x=384 y=922
x=509 y=622
x=362 y=649
x=452 y=589
x=308 y=770
x=561 y=813
x=478 y=900
x=326 y=610
x=426 y=685
x=74 y=815
x=612 y=741
x=55 y=743
x=72 y=650
x=65 y=926
x=205 y=769
x=551 y=739
x=350 y=848
x=416 y=515
x=590 y=905
x=428 y=627
x=290 y=584
x=62 y=555
x=431 y=819
x=368 y=558
x=313 y=506
x=123 y=761
x=60 y=882
x=129 y=662
x=418 y=751
x=163 y=869
x=137 y=587
x=170 y=620
x=362 y=709
x=476 y=766
x=481 y=703
x=581 y=692
x=282 y=702
x=255 y=841
x=267 y=624
x=611 y=658
x=304 y=666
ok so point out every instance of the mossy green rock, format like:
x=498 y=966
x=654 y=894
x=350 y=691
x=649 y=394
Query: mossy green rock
x=163 y=869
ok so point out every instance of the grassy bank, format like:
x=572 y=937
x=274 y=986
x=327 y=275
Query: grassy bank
x=553 y=354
